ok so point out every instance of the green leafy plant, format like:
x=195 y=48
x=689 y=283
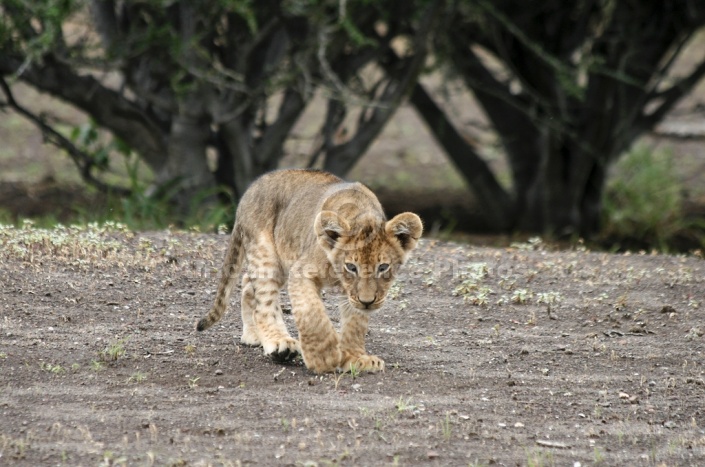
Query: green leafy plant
x=643 y=203
x=354 y=371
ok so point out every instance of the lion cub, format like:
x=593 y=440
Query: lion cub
x=312 y=229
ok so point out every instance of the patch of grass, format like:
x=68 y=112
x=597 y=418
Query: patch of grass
x=354 y=371
x=110 y=459
x=404 y=405
x=598 y=456
x=137 y=377
x=55 y=369
x=532 y=244
x=97 y=365
x=33 y=244
x=539 y=458
x=471 y=288
x=446 y=428
x=13 y=448
x=549 y=298
x=113 y=351
x=521 y=296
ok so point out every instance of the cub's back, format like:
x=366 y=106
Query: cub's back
x=284 y=204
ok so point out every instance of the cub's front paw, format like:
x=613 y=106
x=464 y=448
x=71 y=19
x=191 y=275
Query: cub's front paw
x=286 y=349
x=362 y=363
x=250 y=337
x=324 y=362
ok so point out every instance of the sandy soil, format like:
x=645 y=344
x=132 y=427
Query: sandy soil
x=515 y=356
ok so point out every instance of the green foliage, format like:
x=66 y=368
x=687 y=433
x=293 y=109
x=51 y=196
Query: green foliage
x=144 y=208
x=245 y=9
x=54 y=13
x=643 y=202
x=88 y=139
x=354 y=33
x=113 y=351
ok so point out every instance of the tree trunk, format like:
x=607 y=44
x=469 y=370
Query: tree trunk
x=498 y=206
x=186 y=170
x=563 y=195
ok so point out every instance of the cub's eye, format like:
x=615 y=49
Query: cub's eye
x=351 y=268
x=382 y=268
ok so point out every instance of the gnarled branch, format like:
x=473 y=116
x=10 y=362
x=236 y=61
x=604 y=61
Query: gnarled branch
x=83 y=161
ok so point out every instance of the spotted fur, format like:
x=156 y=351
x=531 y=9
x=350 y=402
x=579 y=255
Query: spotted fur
x=310 y=229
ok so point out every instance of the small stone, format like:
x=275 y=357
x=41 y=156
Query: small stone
x=518 y=425
x=432 y=454
x=669 y=424
x=218 y=372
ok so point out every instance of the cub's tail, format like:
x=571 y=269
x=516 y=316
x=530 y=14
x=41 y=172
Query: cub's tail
x=230 y=271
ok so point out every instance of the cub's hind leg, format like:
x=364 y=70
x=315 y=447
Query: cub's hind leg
x=250 y=335
x=267 y=279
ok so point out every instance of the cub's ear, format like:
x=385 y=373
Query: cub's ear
x=329 y=227
x=407 y=228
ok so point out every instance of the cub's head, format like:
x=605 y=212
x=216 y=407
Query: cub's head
x=366 y=252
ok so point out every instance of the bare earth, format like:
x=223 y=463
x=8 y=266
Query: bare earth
x=516 y=356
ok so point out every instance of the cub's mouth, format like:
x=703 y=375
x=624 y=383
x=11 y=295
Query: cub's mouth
x=366 y=306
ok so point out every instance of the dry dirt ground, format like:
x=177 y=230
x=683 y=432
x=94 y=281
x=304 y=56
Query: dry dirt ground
x=514 y=356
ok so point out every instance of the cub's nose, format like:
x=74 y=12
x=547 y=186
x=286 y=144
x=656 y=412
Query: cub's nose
x=367 y=304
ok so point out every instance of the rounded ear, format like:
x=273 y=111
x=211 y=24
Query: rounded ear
x=329 y=227
x=407 y=228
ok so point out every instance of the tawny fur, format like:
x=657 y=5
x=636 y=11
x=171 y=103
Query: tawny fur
x=311 y=229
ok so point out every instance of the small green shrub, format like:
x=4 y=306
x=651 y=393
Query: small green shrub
x=113 y=351
x=643 y=202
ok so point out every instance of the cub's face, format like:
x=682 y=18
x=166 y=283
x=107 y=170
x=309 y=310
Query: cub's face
x=367 y=254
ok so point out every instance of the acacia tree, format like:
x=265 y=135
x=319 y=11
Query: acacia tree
x=230 y=75
x=567 y=86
